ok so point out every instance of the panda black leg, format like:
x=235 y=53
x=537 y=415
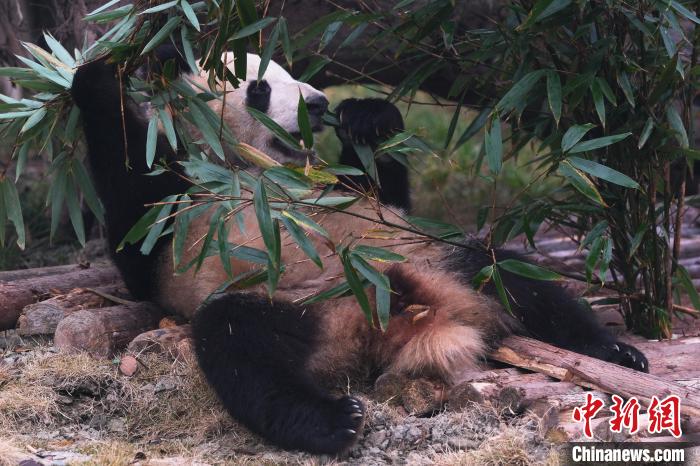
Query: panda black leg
x=253 y=353
x=547 y=312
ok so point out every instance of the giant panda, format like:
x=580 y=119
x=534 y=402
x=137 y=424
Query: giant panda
x=274 y=363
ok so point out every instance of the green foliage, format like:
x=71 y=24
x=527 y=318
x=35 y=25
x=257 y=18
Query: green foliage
x=586 y=92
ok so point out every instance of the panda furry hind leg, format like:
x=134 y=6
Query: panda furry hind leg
x=253 y=353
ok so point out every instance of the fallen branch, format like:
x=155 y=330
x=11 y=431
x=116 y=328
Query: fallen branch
x=593 y=373
x=16 y=294
x=42 y=318
x=102 y=332
x=172 y=340
x=14 y=275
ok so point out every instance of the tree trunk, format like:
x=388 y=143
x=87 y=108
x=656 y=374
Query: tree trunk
x=43 y=317
x=102 y=332
x=17 y=294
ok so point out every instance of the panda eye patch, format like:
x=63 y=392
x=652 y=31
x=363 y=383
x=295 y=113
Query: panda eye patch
x=258 y=95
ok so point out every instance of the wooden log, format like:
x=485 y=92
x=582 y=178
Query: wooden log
x=102 y=332
x=13 y=275
x=19 y=293
x=165 y=340
x=42 y=318
x=593 y=373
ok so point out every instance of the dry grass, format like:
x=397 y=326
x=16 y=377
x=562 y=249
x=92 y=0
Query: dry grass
x=10 y=453
x=164 y=400
x=167 y=414
x=509 y=448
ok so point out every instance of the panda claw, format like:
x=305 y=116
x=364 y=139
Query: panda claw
x=616 y=347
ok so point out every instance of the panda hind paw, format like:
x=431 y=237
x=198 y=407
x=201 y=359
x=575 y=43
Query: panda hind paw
x=347 y=418
x=627 y=356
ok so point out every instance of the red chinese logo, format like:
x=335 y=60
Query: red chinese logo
x=588 y=412
x=663 y=414
x=626 y=414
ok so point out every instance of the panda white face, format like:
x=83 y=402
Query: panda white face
x=277 y=95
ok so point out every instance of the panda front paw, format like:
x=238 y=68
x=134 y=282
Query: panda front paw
x=367 y=121
x=627 y=356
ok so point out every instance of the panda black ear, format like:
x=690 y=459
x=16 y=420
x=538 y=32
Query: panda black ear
x=258 y=95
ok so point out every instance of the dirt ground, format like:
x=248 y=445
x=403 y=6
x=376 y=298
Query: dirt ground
x=58 y=409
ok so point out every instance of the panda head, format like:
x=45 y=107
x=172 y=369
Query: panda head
x=276 y=95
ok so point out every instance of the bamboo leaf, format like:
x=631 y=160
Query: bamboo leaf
x=383 y=299
x=58 y=50
x=22 y=155
x=305 y=222
x=474 y=127
x=33 y=120
x=189 y=13
x=161 y=7
x=13 y=209
x=646 y=132
x=581 y=182
x=517 y=95
x=302 y=240
x=501 y=290
x=335 y=292
x=151 y=140
x=601 y=171
x=685 y=12
x=74 y=212
x=554 y=94
x=207 y=130
x=674 y=119
x=377 y=254
x=598 y=101
x=624 y=83
x=528 y=270
x=494 y=146
x=483 y=277
x=221 y=237
x=251 y=29
x=276 y=129
x=573 y=135
x=162 y=34
x=598 y=143
x=266 y=56
x=356 y=286
x=158 y=225
x=262 y=212
x=374 y=276
x=187 y=48
x=687 y=283
x=88 y=189
x=304 y=123
x=168 y=127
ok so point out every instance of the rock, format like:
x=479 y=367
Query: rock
x=463 y=444
x=128 y=365
x=165 y=383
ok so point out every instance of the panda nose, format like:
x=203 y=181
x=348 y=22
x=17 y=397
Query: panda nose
x=317 y=104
